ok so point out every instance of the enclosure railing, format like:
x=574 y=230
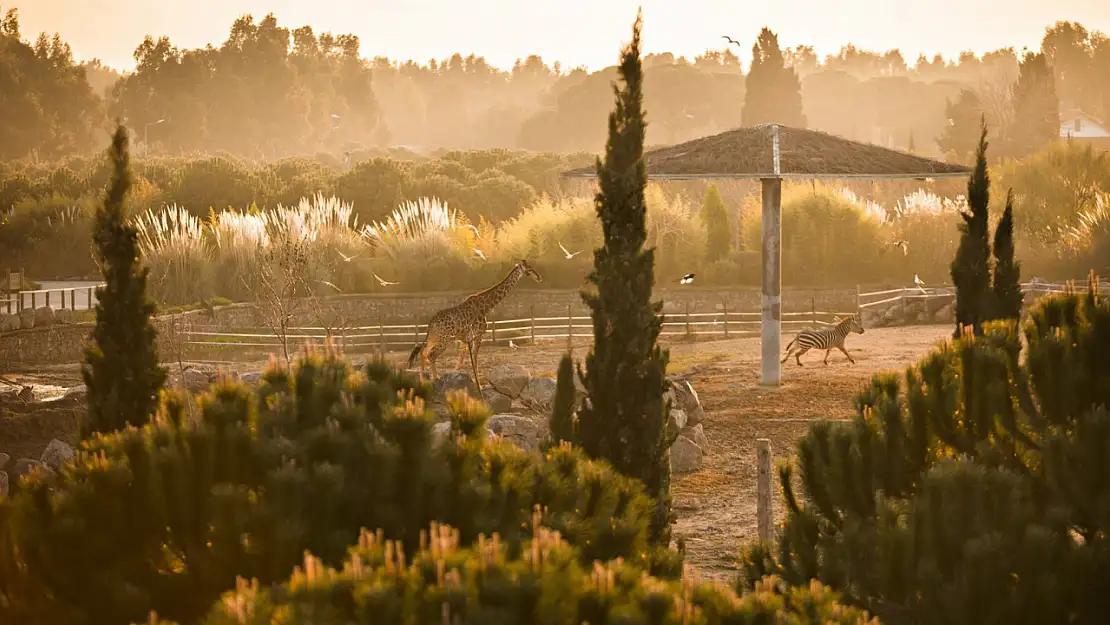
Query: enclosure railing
x=688 y=327
x=74 y=298
x=902 y=296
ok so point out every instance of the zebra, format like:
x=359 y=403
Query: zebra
x=825 y=338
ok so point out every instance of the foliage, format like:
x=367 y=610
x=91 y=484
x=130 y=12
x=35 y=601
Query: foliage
x=624 y=419
x=173 y=246
x=971 y=491
x=773 y=92
x=1006 y=293
x=971 y=270
x=958 y=141
x=166 y=516
x=563 y=420
x=714 y=218
x=542 y=583
x=1036 y=118
x=120 y=367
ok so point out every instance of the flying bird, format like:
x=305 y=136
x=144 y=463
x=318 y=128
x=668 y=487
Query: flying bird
x=919 y=283
x=479 y=254
x=383 y=282
x=346 y=258
x=902 y=244
x=686 y=279
x=730 y=39
x=568 y=254
x=331 y=285
x=476 y=233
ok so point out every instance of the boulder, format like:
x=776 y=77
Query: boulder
x=675 y=422
x=454 y=381
x=23 y=466
x=442 y=430
x=521 y=431
x=497 y=401
x=77 y=393
x=26 y=319
x=539 y=394
x=9 y=322
x=4 y=458
x=251 y=377
x=57 y=453
x=697 y=434
x=509 y=379
x=686 y=456
x=3 y=484
x=63 y=315
x=686 y=400
x=194 y=380
x=44 y=316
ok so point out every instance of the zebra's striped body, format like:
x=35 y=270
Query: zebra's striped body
x=825 y=338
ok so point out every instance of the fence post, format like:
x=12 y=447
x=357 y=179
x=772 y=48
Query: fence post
x=48 y=299
x=34 y=300
x=905 y=315
x=764 y=513
x=813 y=309
x=858 y=308
x=532 y=315
x=570 y=329
x=688 y=331
x=725 y=307
x=381 y=337
x=89 y=303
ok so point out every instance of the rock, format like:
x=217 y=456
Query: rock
x=77 y=393
x=686 y=399
x=3 y=484
x=229 y=374
x=497 y=401
x=57 y=453
x=251 y=377
x=4 y=458
x=442 y=430
x=44 y=316
x=9 y=322
x=675 y=422
x=538 y=394
x=452 y=381
x=26 y=319
x=521 y=431
x=697 y=434
x=509 y=379
x=686 y=456
x=63 y=315
x=194 y=380
x=23 y=466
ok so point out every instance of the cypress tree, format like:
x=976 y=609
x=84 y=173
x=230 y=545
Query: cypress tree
x=121 y=370
x=773 y=92
x=1007 y=272
x=714 y=216
x=562 y=409
x=625 y=418
x=971 y=267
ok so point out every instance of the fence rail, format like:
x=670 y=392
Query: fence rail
x=512 y=332
x=73 y=298
x=867 y=300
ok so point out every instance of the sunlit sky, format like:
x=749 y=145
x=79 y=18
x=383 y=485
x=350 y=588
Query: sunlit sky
x=575 y=32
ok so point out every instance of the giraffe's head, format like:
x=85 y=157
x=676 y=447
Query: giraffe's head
x=528 y=270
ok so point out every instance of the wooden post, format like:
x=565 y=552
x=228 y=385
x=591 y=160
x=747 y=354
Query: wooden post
x=764 y=512
x=532 y=315
x=689 y=333
x=771 y=305
x=570 y=329
x=73 y=299
x=858 y=307
x=89 y=303
x=381 y=337
x=34 y=300
x=905 y=316
x=48 y=299
x=813 y=310
x=725 y=305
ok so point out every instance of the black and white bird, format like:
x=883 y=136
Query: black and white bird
x=568 y=254
x=686 y=279
x=902 y=244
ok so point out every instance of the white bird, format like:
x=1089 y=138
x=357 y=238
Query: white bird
x=902 y=244
x=476 y=233
x=383 y=282
x=919 y=283
x=331 y=285
x=512 y=344
x=346 y=258
x=568 y=254
x=479 y=254
x=686 y=279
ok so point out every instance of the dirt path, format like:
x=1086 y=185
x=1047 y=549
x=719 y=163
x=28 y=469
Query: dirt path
x=716 y=506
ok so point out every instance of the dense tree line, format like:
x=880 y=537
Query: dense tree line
x=271 y=90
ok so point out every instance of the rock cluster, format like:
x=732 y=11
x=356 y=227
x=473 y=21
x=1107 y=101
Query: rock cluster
x=56 y=454
x=34 y=318
x=910 y=311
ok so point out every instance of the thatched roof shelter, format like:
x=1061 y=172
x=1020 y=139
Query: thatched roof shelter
x=749 y=153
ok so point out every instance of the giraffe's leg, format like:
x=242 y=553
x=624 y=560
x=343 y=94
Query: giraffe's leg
x=474 y=361
x=462 y=352
x=798 y=356
x=850 y=359
x=433 y=354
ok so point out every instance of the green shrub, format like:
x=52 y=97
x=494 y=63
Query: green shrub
x=973 y=490
x=543 y=582
x=166 y=516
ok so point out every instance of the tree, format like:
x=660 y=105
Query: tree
x=714 y=216
x=1006 y=286
x=1036 y=120
x=971 y=267
x=562 y=408
x=957 y=141
x=773 y=91
x=624 y=418
x=121 y=368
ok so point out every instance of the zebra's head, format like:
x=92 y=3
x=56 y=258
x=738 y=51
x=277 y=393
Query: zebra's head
x=854 y=324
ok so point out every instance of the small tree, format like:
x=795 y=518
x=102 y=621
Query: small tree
x=971 y=267
x=562 y=409
x=1006 y=287
x=714 y=216
x=121 y=370
x=280 y=287
x=625 y=417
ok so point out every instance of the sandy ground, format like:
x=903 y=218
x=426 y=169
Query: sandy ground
x=716 y=506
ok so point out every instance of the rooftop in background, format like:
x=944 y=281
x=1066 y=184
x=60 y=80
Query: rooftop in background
x=747 y=153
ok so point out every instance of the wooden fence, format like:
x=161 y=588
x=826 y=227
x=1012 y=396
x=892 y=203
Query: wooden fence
x=76 y=298
x=902 y=295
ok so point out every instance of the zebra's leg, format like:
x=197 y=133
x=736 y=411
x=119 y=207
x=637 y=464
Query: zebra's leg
x=798 y=356
x=787 y=356
x=827 y=355
x=850 y=359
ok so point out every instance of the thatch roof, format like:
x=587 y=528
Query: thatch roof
x=748 y=153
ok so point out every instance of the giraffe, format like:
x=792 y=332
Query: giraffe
x=466 y=322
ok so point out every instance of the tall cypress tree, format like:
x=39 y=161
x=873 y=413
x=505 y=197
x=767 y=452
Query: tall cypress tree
x=773 y=92
x=1006 y=287
x=624 y=420
x=714 y=216
x=971 y=267
x=121 y=368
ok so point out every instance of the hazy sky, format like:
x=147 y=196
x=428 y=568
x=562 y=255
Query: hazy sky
x=576 y=32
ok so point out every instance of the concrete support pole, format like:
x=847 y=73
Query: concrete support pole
x=771 y=309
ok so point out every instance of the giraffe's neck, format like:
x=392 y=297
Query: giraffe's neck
x=484 y=301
